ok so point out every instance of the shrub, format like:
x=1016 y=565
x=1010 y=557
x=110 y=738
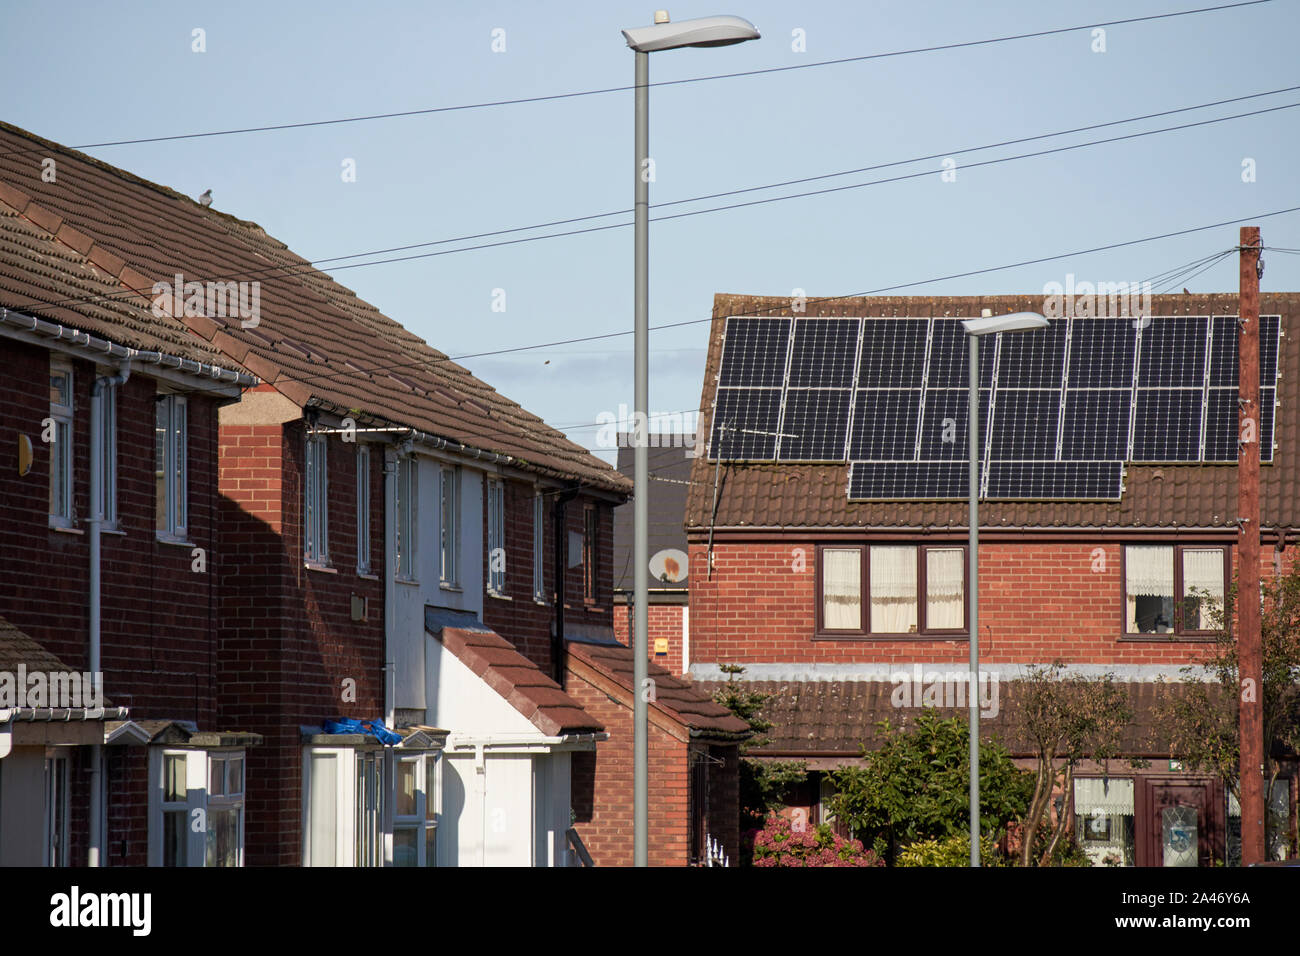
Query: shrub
x=777 y=844
x=954 y=851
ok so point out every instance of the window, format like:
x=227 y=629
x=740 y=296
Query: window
x=196 y=808
x=496 y=537
x=910 y=590
x=1104 y=822
x=590 y=555
x=539 y=550
x=344 y=806
x=108 y=454
x=408 y=491
x=315 y=535
x=363 y=509
x=56 y=809
x=1173 y=589
x=368 y=827
x=170 y=444
x=415 y=813
x=60 y=443
x=450 y=525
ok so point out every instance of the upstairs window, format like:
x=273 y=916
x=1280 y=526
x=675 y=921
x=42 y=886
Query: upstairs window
x=316 y=501
x=59 y=432
x=107 y=463
x=908 y=590
x=407 y=510
x=171 y=442
x=1173 y=589
x=363 y=509
x=496 y=537
x=590 y=555
x=450 y=530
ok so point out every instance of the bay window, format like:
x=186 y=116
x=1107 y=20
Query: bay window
x=1173 y=589
x=415 y=811
x=891 y=590
x=196 y=815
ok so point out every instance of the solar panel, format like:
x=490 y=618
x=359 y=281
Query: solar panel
x=944 y=429
x=1032 y=361
x=824 y=353
x=950 y=356
x=893 y=353
x=1267 y=413
x=1167 y=425
x=1096 y=424
x=1025 y=423
x=1102 y=352
x=744 y=423
x=907 y=480
x=815 y=423
x=1269 y=333
x=1224 y=337
x=1172 y=351
x=1055 y=480
x=754 y=352
x=884 y=423
x=1221 y=423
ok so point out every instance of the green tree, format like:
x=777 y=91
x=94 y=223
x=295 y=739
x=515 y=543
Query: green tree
x=1201 y=722
x=763 y=783
x=915 y=787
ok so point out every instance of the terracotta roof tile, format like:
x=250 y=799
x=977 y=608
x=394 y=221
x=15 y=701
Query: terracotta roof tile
x=1165 y=496
x=155 y=231
x=518 y=680
x=688 y=703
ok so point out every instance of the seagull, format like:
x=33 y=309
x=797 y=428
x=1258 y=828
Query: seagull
x=206 y=198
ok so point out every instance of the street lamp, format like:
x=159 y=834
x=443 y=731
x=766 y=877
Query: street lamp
x=663 y=35
x=988 y=324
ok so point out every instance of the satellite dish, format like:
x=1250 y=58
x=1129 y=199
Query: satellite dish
x=669 y=566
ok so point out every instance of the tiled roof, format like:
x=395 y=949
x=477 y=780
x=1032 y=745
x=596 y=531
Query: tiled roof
x=838 y=718
x=517 y=679
x=686 y=702
x=1165 y=496
x=316 y=342
x=670 y=472
x=17 y=648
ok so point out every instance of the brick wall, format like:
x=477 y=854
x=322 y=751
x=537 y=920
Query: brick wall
x=288 y=641
x=1038 y=601
x=518 y=617
x=665 y=622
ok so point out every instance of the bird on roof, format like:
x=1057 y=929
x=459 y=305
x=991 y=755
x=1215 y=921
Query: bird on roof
x=206 y=198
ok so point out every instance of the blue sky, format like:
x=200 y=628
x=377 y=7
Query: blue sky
x=97 y=72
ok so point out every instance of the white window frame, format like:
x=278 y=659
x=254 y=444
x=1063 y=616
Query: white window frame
x=173 y=413
x=315 y=508
x=108 y=453
x=449 y=517
x=496 y=536
x=539 y=549
x=62 y=458
x=56 y=808
x=407 y=509
x=363 y=509
x=220 y=767
x=199 y=801
x=424 y=821
x=352 y=823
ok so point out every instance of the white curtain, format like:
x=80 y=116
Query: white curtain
x=1202 y=573
x=944 y=604
x=1104 y=796
x=1148 y=572
x=842 y=589
x=893 y=590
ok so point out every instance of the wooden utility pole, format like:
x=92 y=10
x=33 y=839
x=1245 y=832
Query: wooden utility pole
x=1250 y=651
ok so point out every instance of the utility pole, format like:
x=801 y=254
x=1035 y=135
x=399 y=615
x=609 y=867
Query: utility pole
x=1250 y=651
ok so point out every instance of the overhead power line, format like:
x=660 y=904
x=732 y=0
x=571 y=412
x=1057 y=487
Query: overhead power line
x=623 y=89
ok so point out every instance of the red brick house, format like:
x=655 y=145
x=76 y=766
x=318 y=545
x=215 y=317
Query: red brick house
x=830 y=582
x=110 y=556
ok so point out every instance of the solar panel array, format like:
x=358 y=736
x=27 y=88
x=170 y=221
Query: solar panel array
x=1061 y=410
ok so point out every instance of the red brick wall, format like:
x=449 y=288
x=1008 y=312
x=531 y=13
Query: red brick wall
x=1038 y=601
x=602 y=786
x=287 y=639
x=520 y=619
x=158 y=631
x=665 y=621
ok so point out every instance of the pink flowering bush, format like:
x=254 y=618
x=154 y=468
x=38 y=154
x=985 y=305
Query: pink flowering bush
x=779 y=844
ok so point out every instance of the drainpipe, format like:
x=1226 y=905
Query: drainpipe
x=390 y=589
x=95 y=521
x=561 y=572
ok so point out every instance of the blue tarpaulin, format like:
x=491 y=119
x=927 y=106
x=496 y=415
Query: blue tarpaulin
x=348 y=725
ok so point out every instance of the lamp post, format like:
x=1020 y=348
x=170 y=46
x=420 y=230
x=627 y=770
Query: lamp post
x=663 y=35
x=988 y=324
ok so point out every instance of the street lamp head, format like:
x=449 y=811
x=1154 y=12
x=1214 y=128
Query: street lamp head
x=1015 y=322
x=705 y=31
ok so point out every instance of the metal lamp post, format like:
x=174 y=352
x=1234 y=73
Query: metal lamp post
x=663 y=35
x=988 y=324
